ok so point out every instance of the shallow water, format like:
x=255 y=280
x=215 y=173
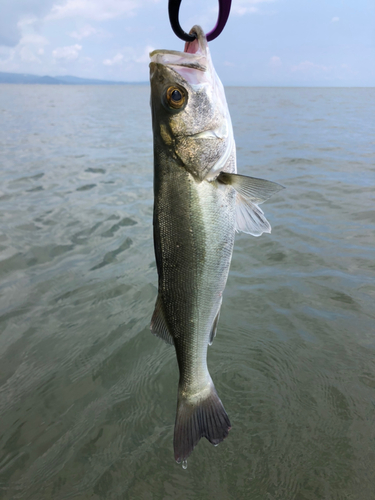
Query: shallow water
x=88 y=395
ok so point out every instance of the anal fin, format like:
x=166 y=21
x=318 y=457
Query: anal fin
x=158 y=324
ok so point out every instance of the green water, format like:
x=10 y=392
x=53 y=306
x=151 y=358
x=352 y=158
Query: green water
x=88 y=395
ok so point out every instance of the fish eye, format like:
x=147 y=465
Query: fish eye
x=176 y=97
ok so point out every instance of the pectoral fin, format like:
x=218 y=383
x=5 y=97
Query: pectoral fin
x=250 y=192
x=253 y=189
x=158 y=325
x=250 y=218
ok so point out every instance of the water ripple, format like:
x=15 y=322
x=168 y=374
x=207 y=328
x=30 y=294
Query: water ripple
x=88 y=394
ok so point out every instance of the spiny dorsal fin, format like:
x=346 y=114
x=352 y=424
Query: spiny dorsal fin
x=158 y=325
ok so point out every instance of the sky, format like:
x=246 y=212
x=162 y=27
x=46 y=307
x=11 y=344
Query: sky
x=265 y=42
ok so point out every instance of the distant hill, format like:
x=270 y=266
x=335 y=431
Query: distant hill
x=57 y=80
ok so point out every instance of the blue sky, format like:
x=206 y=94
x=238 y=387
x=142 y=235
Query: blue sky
x=266 y=42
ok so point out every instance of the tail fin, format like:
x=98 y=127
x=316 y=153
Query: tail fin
x=199 y=417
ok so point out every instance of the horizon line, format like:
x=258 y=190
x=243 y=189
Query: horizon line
x=61 y=79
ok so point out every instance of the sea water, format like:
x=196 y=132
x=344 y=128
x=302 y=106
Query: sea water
x=88 y=395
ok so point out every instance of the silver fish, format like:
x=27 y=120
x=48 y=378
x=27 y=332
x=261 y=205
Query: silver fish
x=199 y=203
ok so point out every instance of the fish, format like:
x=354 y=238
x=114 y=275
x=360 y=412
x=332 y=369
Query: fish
x=200 y=202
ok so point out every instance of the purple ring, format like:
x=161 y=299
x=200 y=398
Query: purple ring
x=224 y=10
x=173 y=10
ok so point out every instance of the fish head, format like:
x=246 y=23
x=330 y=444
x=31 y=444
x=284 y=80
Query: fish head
x=190 y=116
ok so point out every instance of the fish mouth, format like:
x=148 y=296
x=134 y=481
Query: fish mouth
x=193 y=64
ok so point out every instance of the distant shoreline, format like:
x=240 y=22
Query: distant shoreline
x=28 y=79
x=25 y=78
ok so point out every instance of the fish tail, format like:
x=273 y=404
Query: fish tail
x=202 y=415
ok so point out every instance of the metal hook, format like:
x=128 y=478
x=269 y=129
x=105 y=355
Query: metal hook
x=173 y=10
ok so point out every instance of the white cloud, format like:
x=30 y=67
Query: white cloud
x=145 y=56
x=242 y=7
x=84 y=32
x=29 y=45
x=27 y=55
x=335 y=20
x=275 y=62
x=115 y=61
x=34 y=39
x=128 y=54
x=68 y=53
x=15 y=15
x=26 y=51
x=310 y=67
x=7 y=62
x=26 y=21
x=93 y=9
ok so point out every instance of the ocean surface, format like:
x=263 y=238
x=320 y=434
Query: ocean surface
x=88 y=394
